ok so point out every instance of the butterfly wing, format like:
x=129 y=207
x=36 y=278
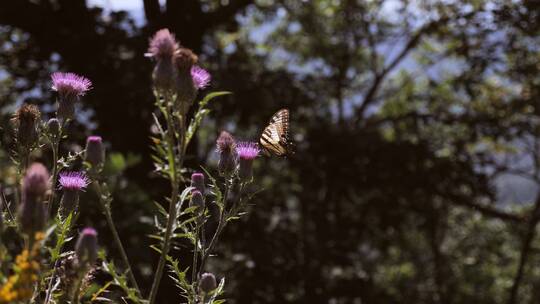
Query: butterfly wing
x=275 y=137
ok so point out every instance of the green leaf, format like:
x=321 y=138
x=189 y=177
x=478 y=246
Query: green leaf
x=214 y=189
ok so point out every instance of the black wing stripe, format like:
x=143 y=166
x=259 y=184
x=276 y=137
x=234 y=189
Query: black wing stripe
x=275 y=137
x=277 y=149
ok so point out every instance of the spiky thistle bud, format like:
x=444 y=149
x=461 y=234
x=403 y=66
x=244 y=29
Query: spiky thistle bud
x=32 y=212
x=247 y=152
x=95 y=152
x=197 y=181
x=226 y=147
x=70 y=88
x=71 y=183
x=186 y=90
x=197 y=200
x=207 y=283
x=162 y=47
x=86 y=248
x=27 y=121
x=53 y=127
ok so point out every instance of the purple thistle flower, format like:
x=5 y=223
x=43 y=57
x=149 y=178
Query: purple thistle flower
x=70 y=87
x=201 y=77
x=70 y=84
x=247 y=152
x=162 y=45
x=73 y=181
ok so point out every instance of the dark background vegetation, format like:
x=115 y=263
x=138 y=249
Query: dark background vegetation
x=417 y=127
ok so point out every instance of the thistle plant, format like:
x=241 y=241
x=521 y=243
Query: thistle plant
x=53 y=259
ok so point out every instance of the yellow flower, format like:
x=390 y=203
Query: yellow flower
x=20 y=285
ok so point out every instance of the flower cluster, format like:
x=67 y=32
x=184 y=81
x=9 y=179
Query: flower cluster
x=176 y=72
x=49 y=202
x=231 y=152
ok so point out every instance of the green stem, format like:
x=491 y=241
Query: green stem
x=76 y=291
x=172 y=204
x=116 y=236
x=195 y=254
x=54 y=146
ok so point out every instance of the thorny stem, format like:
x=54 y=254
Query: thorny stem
x=54 y=270
x=221 y=224
x=116 y=236
x=173 y=201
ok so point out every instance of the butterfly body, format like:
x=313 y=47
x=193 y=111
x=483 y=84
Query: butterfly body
x=275 y=138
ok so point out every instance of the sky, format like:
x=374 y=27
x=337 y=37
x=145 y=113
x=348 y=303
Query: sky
x=134 y=7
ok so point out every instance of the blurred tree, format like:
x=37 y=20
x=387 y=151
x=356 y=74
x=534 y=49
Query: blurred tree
x=406 y=116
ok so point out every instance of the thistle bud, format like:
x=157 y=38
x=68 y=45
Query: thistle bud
x=32 y=212
x=26 y=119
x=197 y=200
x=86 y=248
x=53 y=127
x=207 y=282
x=95 y=152
x=71 y=183
x=186 y=90
x=197 y=181
x=36 y=181
x=226 y=147
x=247 y=152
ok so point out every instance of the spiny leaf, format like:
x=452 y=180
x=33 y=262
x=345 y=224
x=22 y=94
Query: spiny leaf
x=201 y=113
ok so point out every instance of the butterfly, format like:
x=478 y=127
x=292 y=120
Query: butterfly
x=275 y=137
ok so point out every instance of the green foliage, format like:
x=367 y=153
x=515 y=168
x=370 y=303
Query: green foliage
x=120 y=280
